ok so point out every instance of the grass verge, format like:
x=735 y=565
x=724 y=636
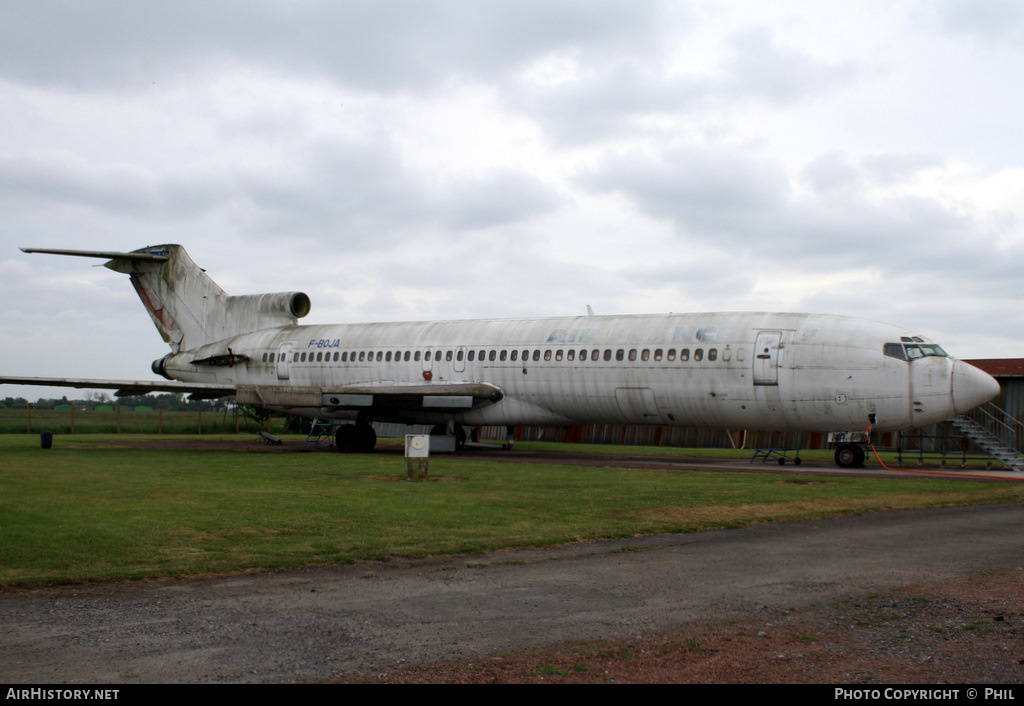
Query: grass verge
x=87 y=510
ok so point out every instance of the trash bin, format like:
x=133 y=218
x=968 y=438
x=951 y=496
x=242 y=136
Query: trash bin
x=46 y=439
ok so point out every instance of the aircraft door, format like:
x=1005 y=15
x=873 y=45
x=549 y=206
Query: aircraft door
x=428 y=359
x=284 y=355
x=766 y=357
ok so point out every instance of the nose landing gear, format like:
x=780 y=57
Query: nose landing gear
x=850 y=456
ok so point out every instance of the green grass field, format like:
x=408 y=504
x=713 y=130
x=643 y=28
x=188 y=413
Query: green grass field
x=88 y=510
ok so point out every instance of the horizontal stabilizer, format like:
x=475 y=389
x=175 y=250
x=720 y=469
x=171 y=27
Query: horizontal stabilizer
x=156 y=254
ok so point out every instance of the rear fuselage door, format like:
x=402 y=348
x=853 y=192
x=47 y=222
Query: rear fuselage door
x=766 y=357
x=283 y=360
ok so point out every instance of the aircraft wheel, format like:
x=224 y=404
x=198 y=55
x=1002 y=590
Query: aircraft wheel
x=366 y=438
x=345 y=439
x=849 y=456
x=797 y=461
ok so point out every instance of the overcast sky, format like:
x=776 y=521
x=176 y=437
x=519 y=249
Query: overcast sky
x=416 y=159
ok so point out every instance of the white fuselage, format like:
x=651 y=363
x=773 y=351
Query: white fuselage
x=765 y=371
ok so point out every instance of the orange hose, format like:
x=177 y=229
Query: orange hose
x=931 y=473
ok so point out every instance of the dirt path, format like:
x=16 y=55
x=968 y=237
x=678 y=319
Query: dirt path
x=372 y=618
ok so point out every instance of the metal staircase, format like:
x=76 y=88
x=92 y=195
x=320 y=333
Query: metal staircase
x=995 y=432
x=320 y=431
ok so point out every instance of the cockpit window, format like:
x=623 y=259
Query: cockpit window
x=913 y=351
x=922 y=350
x=895 y=350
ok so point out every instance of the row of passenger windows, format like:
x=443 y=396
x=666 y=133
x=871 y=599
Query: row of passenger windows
x=584 y=354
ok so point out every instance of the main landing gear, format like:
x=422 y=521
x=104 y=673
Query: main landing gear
x=850 y=456
x=451 y=429
x=355 y=438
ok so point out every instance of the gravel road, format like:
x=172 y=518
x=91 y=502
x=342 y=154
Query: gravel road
x=316 y=623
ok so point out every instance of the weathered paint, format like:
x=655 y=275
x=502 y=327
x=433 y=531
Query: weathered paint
x=754 y=371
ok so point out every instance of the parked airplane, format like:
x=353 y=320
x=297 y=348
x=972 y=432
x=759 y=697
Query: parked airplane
x=763 y=371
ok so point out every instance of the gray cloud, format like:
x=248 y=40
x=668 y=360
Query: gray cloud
x=400 y=44
x=614 y=94
x=986 y=19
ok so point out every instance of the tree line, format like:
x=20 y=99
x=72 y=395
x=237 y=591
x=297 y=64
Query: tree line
x=173 y=402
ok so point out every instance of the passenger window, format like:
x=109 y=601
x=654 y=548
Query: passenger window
x=571 y=354
x=684 y=355
x=416 y=356
x=596 y=353
x=437 y=357
x=620 y=354
x=472 y=356
x=387 y=358
x=547 y=355
x=515 y=355
x=536 y=355
x=608 y=354
x=491 y=356
x=319 y=357
x=503 y=355
x=271 y=358
x=632 y=354
x=698 y=355
x=671 y=354
x=558 y=354
x=713 y=354
x=657 y=354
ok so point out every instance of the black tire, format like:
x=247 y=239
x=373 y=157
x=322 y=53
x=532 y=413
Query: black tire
x=366 y=438
x=346 y=438
x=849 y=456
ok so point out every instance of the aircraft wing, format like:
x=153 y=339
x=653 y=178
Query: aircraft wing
x=129 y=387
x=380 y=397
x=385 y=396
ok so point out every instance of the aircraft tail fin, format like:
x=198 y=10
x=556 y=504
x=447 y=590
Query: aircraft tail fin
x=188 y=308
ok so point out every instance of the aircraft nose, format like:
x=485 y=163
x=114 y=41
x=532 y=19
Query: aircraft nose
x=971 y=387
